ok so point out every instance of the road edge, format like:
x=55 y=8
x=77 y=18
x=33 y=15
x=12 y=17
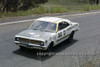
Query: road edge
x=69 y=15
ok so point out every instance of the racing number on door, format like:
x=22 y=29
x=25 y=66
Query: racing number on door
x=59 y=34
x=64 y=32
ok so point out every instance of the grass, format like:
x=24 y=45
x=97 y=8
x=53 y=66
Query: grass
x=89 y=7
x=53 y=6
x=37 y=10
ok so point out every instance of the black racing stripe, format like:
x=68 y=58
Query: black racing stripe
x=63 y=37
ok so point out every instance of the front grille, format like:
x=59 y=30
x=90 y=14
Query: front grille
x=35 y=42
x=30 y=41
x=24 y=40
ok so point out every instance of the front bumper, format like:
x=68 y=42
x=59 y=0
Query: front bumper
x=31 y=46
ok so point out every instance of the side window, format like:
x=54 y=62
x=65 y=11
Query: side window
x=63 y=25
x=60 y=26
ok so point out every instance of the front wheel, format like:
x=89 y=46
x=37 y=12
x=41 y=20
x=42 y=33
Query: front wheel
x=22 y=48
x=70 y=39
x=50 y=48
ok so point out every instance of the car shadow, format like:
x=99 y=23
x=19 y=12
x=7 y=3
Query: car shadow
x=32 y=54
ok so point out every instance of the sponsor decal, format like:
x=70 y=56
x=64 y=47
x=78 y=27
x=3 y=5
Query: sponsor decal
x=59 y=34
x=25 y=33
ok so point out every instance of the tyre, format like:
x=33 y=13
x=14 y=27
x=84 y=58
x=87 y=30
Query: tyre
x=50 y=48
x=70 y=39
x=22 y=48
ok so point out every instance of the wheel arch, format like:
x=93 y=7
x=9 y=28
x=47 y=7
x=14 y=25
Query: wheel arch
x=51 y=43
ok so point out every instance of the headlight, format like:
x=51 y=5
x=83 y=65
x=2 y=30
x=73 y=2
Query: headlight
x=42 y=43
x=16 y=39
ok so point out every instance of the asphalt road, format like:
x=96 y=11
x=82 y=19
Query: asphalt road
x=83 y=52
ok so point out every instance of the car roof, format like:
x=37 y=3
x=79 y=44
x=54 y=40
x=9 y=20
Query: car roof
x=52 y=19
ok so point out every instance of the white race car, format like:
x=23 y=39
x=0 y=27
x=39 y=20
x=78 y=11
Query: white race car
x=46 y=32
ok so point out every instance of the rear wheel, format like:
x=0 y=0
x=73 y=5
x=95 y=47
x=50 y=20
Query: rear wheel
x=70 y=39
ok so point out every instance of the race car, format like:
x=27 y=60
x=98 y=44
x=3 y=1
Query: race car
x=46 y=32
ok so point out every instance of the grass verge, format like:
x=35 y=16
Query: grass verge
x=91 y=7
x=51 y=9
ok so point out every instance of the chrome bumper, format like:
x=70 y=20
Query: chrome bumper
x=31 y=46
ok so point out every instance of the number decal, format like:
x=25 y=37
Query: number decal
x=64 y=32
x=59 y=34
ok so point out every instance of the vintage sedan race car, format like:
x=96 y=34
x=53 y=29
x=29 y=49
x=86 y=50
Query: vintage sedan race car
x=46 y=32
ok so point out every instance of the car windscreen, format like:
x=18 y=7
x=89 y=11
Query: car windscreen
x=44 y=26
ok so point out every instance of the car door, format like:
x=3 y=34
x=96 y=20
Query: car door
x=62 y=31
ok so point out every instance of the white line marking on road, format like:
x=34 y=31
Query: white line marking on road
x=81 y=14
x=6 y=23
x=17 y=22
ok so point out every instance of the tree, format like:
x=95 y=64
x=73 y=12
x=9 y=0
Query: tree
x=15 y=5
x=97 y=2
x=92 y=2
